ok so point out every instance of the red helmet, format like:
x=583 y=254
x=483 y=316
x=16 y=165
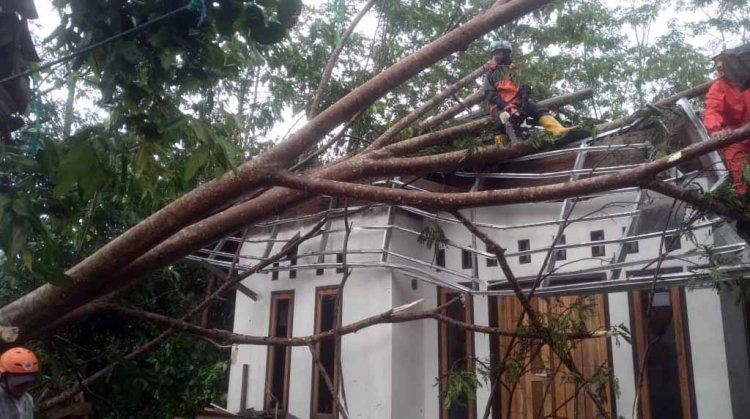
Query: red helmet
x=19 y=361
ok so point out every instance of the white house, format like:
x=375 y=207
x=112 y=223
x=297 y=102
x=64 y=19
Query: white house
x=608 y=249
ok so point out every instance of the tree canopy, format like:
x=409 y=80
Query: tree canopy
x=127 y=128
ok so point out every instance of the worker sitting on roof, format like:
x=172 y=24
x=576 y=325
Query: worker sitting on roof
x=18 y=368
x=728 y=108
x=509 y=100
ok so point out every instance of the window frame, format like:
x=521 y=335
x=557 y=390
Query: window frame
x=524 y=259
x=271 y=355
x=320 y=293
x=598 y=251
x=443 y=297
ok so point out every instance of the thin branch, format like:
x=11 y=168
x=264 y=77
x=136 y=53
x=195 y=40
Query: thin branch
x=536 y=322
x=448 y=201
x=339 y=301
x=392 y=316
x=142 y=241
x=232 y=280
x=333 y=59
x=342 y=411
x=694 y=198
x=390 y=134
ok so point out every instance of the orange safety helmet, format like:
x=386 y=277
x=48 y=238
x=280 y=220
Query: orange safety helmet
x=19 y=361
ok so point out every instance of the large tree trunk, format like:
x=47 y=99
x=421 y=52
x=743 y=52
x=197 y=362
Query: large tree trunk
x=96 y=274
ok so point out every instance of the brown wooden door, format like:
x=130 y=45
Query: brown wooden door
x=545 y=388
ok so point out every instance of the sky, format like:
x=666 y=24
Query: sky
x=49 y=20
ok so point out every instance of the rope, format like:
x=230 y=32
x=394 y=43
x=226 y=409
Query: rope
x=195 y=3
x=199 y=6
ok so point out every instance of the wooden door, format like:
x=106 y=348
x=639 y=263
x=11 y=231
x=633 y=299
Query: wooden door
x=545 y=388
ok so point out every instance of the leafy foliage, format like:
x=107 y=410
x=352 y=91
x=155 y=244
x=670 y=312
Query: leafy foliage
x=176 y=104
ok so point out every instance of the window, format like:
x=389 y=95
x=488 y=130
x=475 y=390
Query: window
x=667 y=383
x=293 y=262
x=466 y=259
x=440 y=257
x=456 y=349
x=340 y=260
x=319 y=272
x=279 y=357
x=323 y=405
x=631 y=247
x=561 y=254
x=672 y=242
x=275 y=272
x=524 y=245
x=491 y=261
x=597 y=251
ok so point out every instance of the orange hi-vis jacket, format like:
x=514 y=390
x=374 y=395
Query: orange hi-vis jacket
x=729 y=108
x=501 y=85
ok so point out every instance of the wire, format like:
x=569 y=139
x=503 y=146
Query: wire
x=95 y=45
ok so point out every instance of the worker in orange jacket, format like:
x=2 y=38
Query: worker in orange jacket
x=728 y=108
x=508 y=98
x=18 y=370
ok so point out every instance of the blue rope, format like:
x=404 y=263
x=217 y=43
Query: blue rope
x=199 y=6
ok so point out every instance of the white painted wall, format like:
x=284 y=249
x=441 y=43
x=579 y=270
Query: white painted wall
x=366 y=355
x=622 y=355
x=391 y=370
x=710 y=375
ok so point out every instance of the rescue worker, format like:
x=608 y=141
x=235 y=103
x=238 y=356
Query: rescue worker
x=18 y=369
x=728 y=108
x=507 y=98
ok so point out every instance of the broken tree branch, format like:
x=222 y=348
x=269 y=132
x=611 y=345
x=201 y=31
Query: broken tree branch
x=625 y=178
x=92 y=276
x=392 y=316
x=232 y=280
x=690 y=93
x=334 y=58
x=694 y=198
x=327 y=379
x=389 y=135
x=538 y=326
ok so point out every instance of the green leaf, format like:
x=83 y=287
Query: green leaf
x=254 y=18
x=28 y=259
x=17 y=238
x=268 y=35
x=225 y=16
x=288 y=12
x=202 y=131
x=5 y=203
x=90 y=183
x=58 y=278
x=49 y=160
x=196 y=161
x=75 y=165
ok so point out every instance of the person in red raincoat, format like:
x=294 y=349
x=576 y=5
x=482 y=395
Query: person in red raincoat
x=728 y=108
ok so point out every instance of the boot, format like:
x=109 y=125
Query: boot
x=502 y=139
x=553 y=126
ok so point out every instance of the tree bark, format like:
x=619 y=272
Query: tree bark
x=93 y=274
x=334 y=58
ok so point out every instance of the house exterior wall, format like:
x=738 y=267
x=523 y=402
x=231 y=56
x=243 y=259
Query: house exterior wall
x=391 y=370
x=366 y=355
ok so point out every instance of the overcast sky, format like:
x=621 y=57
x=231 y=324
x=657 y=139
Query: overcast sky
x=48 y=21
